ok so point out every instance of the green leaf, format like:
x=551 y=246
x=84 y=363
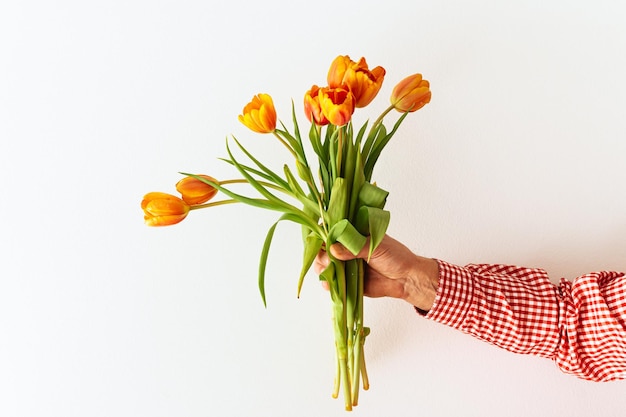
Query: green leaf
x=346 y=234
x=379 y=145
x=374 y=222
x=372 y=195
x=312 y=246
x=263 y=260
x=254 y=183
x=338 y=205
x=276 y=178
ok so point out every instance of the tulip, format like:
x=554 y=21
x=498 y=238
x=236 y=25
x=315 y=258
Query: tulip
x=161 y=209
x=338 y=69
x=411 y=94
x=337 y=104
x=312 y=107
x=259 y=115
x=357 y=77
x=195 y=191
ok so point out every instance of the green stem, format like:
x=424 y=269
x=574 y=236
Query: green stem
x=339 y=150
x=381 y=117
x=286 y=144
x=212 y=204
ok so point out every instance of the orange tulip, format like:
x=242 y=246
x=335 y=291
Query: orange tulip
x=337 y=104
x=357 y=77
x=411 y=94
x=259 y=115
x=161 y=209
x=338 y=69
x=312 y=107
x=195 y=191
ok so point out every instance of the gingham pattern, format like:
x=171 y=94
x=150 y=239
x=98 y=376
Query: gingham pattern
x=580 y=325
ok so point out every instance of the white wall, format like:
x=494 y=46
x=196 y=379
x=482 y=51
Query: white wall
x=519 y=158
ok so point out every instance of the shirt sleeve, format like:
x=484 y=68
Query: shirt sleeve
x=580 y=325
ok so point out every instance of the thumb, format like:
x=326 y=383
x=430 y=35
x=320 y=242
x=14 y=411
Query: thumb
x=343 y=254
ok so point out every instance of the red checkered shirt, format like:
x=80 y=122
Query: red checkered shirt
x=581 y=325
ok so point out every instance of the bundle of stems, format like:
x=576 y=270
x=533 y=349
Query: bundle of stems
x=343 y=206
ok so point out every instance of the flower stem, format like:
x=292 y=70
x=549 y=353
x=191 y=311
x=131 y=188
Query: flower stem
x=381 y=117
x=212 y=204
x=286 y=145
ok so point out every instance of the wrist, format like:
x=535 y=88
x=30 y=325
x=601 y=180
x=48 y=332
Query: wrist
x=420 y=287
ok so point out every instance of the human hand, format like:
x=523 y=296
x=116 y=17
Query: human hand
x=393 y=271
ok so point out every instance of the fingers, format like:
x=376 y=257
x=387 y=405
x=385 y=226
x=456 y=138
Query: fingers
x=321 y=262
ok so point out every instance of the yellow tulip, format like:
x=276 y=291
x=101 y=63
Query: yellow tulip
x=337 y=104
x=195 y=191
x=411 y=94
x=357 y=77
x=312 y=107
x=161 y=209
x=259 y=115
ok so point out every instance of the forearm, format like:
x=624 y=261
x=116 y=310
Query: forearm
x=579 y=325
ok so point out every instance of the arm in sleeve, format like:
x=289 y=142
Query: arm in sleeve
x=579 y=325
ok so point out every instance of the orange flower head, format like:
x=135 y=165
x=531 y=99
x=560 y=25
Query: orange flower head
x=337 y=104
x=161 y=209
x=357 y=77
x=312 y=107
x=259 y=115
x=411 y=94
x=195 y=191
x=338 y=69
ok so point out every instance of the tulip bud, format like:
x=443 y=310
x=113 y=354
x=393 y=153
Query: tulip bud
x=411 y=94
x=259 y=115
x=161 y=209
x=195 y=191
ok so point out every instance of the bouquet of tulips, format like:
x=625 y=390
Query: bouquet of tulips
x=333 y=200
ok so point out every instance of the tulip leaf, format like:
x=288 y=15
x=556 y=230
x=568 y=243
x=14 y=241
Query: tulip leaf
x=372 y=195
x=268 y=243
x=338 y=205
x=379 y=145
x=263 y=261
x=254 y=183
x=346 y=234
x=312 y=246
x=357 y=183
x=374 y=222
x=359 y=136
x=291 y=180
x=277 y=179
x=377 y=130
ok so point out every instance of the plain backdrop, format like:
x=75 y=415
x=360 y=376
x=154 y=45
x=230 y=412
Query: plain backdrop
x=518 y=159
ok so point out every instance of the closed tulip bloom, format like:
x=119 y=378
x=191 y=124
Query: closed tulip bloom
x=259 y=115
x=337 y=70
x=161 y=209
x=357 y=77
x=195 y=191
x=312 y=107
x=337 y=104
x=411 y=94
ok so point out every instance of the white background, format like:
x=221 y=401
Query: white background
x=519 y=158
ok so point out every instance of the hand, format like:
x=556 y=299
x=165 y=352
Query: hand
x=393 y=271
